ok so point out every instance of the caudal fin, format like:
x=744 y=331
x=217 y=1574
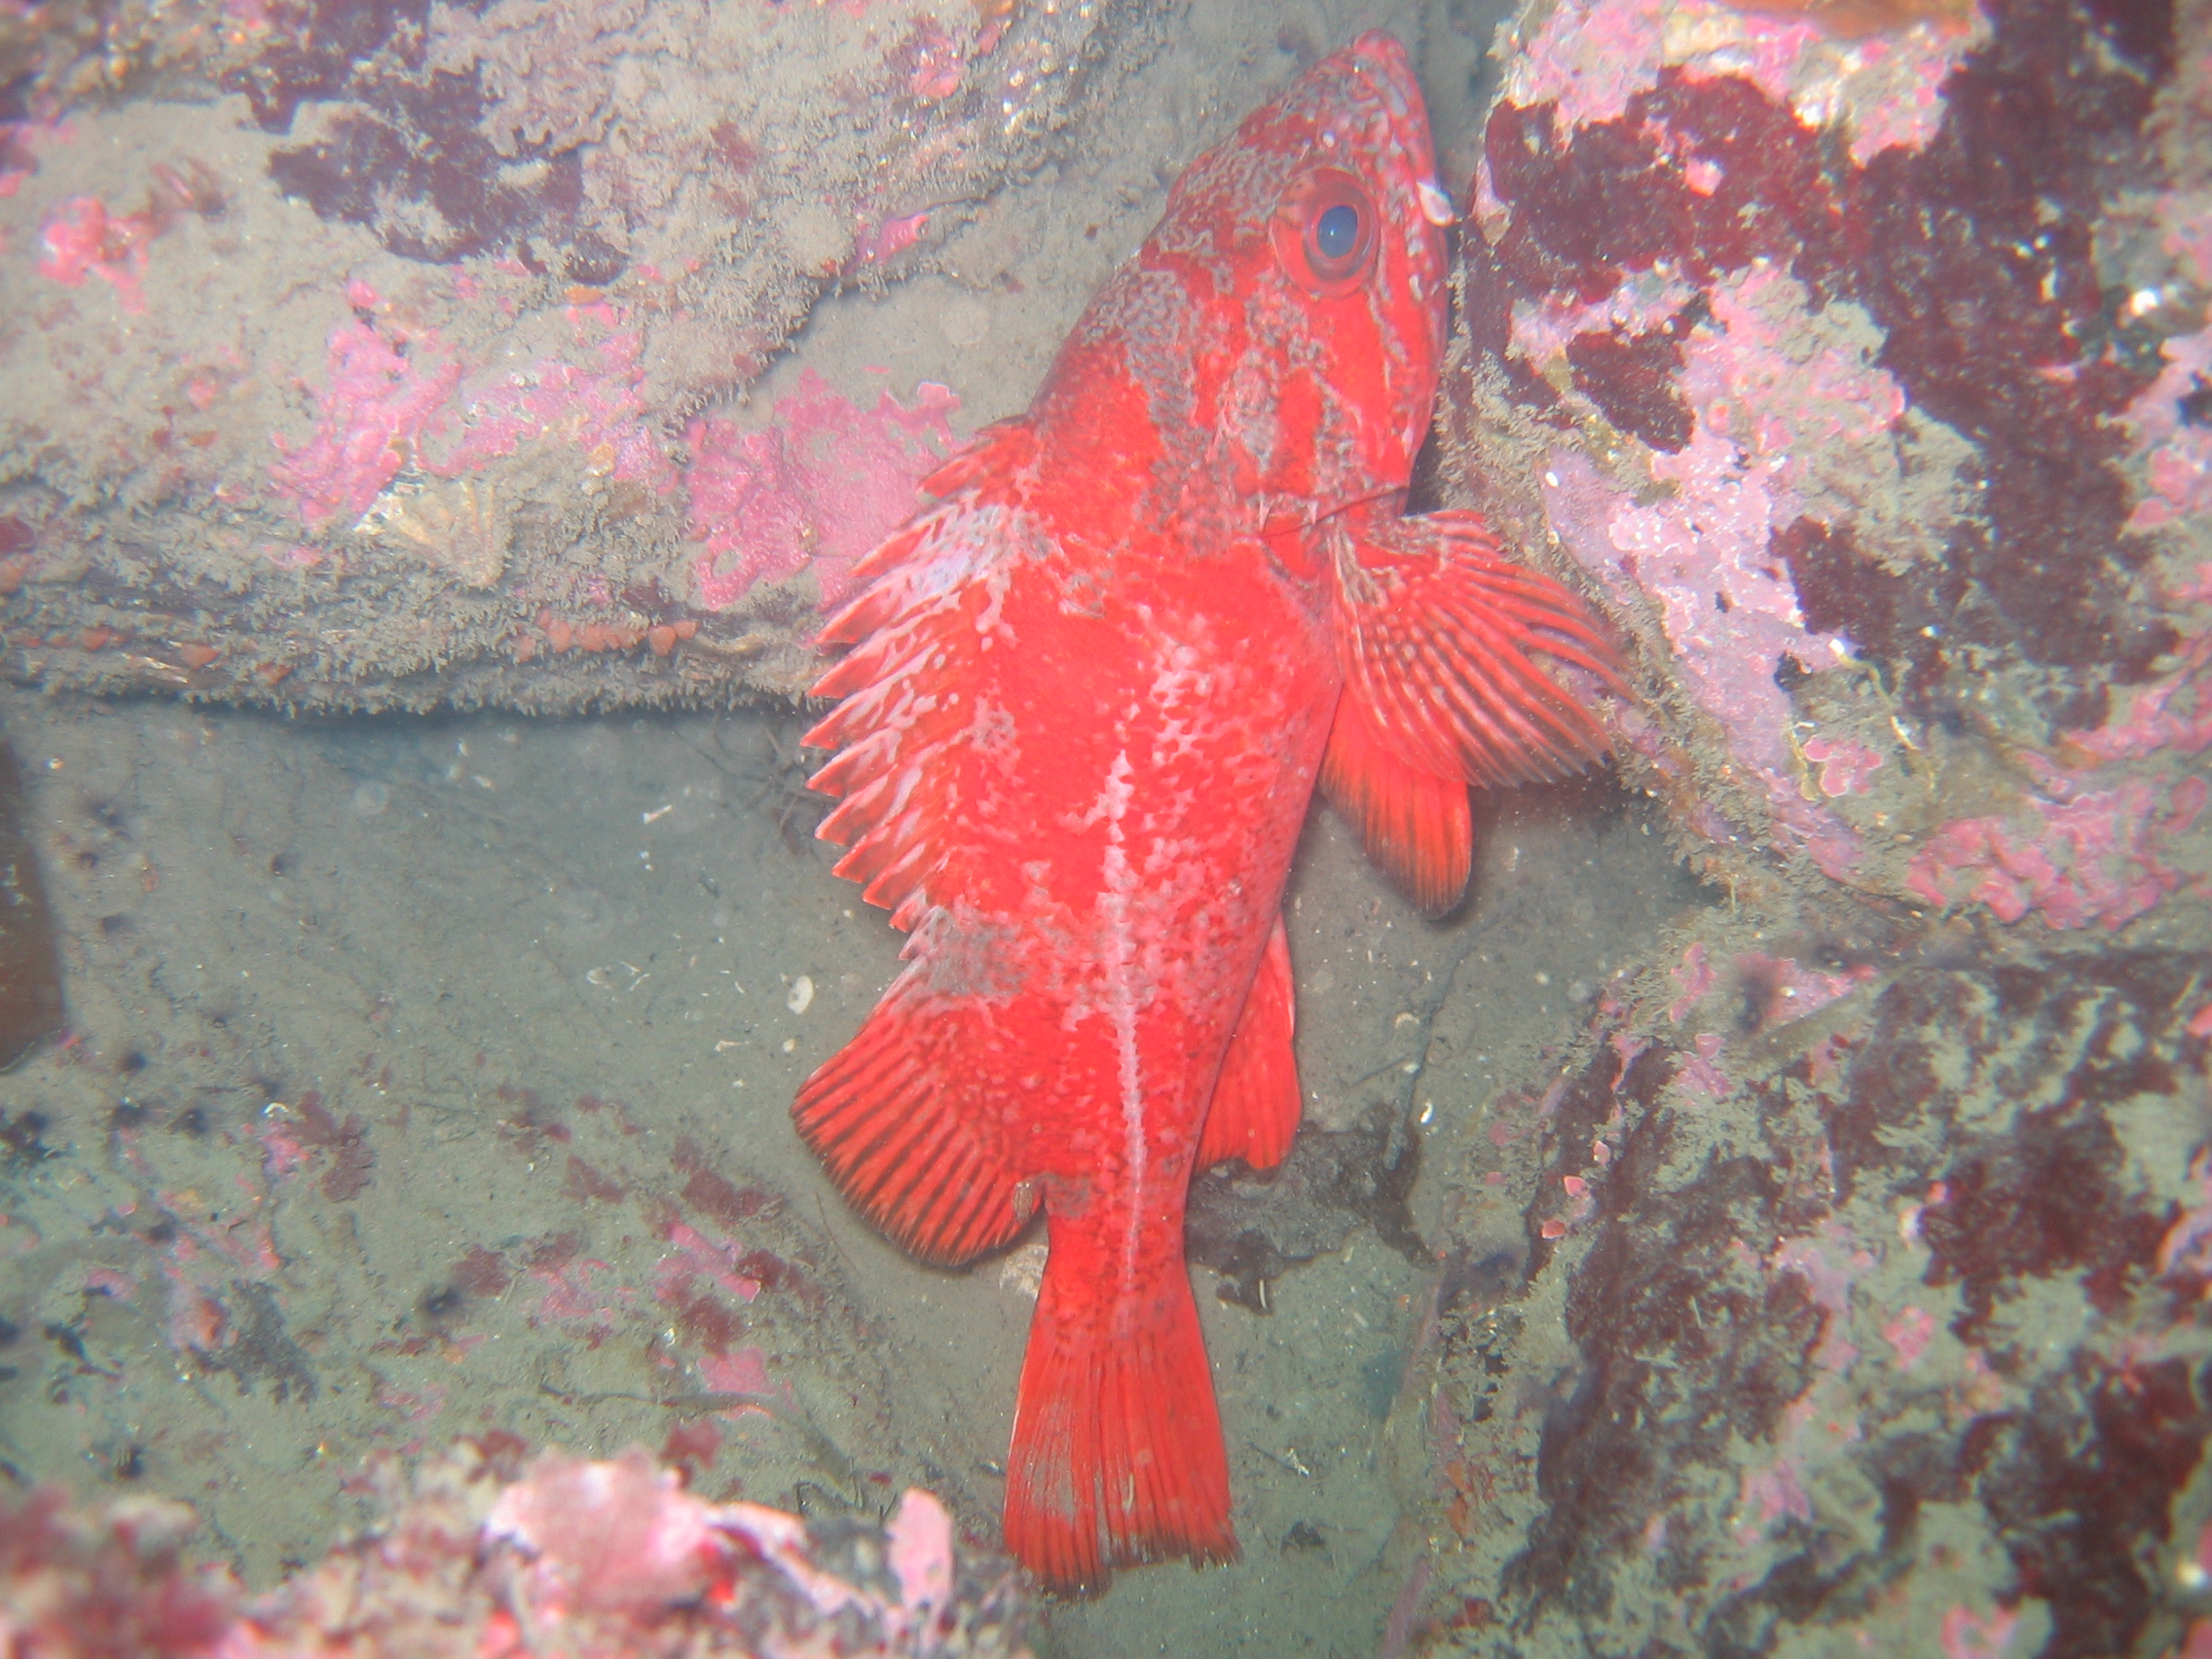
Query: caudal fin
x=1117 y=1443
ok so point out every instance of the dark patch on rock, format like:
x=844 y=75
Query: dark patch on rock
x=1842 y=590
x=30 y=956
x=1632 y=379
x=2080 y=1483
x=2048 y=1193
x=1683 y=1348
x=1253 y=1228
x=403 y=154
x=1978 y=1100
x=263 y=1346
x=24 y=1138
x=2040 y=126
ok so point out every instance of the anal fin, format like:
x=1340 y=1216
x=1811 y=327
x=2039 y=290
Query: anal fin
x=1256 y=1104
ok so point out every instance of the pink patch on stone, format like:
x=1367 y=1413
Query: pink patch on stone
x=819 y=486
x=921 y=1551
x=1845 y=766
x=377 y=406
x=2092 y=857
x=1908 y=1332
x=84 y=240
x=1694 y=975
x=593 y=404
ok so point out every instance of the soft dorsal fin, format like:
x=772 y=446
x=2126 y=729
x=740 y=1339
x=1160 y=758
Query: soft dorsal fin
x=1256 y=1105
x=886 y=1114
x=1439 y=631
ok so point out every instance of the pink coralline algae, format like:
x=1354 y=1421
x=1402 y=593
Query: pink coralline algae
x=1695 y=975
x=2174 y=712
x=1775 y=1494
x=2093 y=857
x=821 y=485
x=593 y=405
x=198 y=1264
x=610 y=1560
x=85 y=239
x=391 y=399
x=741 y=1372
x=2081 y=850
x=1703 y=554
x=1699 y=1080
x=872 y=244
x=569 y=1297
x=1970 y=1635
x=2178 y=452
x=697 y=1255
x=2187 y=1248
x=383 y=394
x=1909 y=1334
x=1845 y=766
x=1593 y=55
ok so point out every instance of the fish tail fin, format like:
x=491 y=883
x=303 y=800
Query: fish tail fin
x=1117 y=1456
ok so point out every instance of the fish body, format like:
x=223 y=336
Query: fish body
x=1090 y=693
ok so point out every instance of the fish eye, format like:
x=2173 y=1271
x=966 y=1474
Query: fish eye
x=1325 y=232
x=1335 y=233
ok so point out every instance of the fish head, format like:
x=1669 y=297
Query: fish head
x=1310 y=247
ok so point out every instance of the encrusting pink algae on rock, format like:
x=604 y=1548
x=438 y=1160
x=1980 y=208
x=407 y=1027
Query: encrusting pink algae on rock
x=1859 y=373
x=480 y=1556
x=431 y=295
x=1862 y=473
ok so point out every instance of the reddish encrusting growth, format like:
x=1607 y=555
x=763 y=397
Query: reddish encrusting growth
x=404 y=154
x=1630 y=378
x=474 y=1552
x=1973 y=253
x=1089 y=695
x=351 y=1162
x=1978 y=1111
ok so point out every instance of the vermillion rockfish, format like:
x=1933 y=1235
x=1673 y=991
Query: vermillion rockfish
x=1089 y=692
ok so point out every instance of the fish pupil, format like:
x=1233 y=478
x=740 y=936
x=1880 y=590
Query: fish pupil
x=1336 y=232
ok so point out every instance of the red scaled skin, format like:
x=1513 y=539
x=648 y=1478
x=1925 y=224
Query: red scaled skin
x=1084 y=717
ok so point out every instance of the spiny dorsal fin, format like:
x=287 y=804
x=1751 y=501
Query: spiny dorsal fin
x=912 y=685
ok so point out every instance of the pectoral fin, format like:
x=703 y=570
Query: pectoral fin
x=1439 y=634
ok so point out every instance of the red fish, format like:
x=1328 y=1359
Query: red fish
x=1089 y=694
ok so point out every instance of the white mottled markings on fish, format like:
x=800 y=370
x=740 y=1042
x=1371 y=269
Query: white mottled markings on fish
x=1118 y=957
